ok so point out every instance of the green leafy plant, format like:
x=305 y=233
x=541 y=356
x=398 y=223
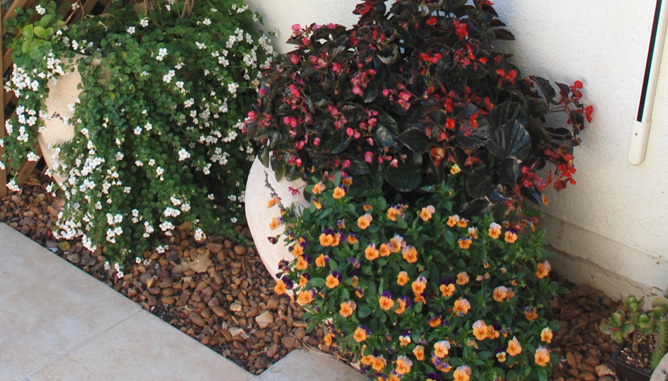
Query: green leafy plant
x=156 y=142
x=660 y=306
x=633 y=323
x=408 y=96
x=415 y=290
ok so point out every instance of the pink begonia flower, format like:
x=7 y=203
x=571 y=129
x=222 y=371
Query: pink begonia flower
x=368 y=156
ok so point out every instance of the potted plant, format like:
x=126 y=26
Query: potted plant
x=164 y=86
x=642 y=335
x=420 y=144
x=406 y=97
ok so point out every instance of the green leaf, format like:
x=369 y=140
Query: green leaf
x=546 y=88
x=39 y=31
x=542 y=375
x=388 y=122
x=339 y=141
x=357 y=166
x=404 y=178
x=316 y=282
x=509 y=137
x=27 y=32
x=383 y=136
x=479 y=182
x=414 y=139
x=364 y=311
x=371 y=92
x=509 y=171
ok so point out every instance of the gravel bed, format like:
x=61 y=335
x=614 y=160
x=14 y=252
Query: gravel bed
x=219 y=293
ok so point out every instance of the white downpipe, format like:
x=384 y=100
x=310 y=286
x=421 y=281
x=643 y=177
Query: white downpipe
x=641 y=126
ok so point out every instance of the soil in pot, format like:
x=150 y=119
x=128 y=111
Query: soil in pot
x=635 y=366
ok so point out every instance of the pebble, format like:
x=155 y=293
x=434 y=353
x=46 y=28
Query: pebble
x=197 y=319
x=289 y=342
x=264 y=319
x=236 y=289
x=273 y=349
x=273 y=304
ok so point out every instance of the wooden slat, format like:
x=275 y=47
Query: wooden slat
x=3 y=172
x=25 y=171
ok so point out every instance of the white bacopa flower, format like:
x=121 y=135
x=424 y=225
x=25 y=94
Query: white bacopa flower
x=232 y=87
x=2 y=168
x=131 y=30
x=151 y=162
x=211 y=196
x=200 y=45
x=40 y=9
x=119 y=156
x=12 y=186
x=159 y=171
x=167 y=78
x=143 y=23
x=183 y=154
x=189 y=103
x=199 y=235
x=171 y=212
x=139 y=163
x=148 y=126
x=233 y=220
x=138 y=130
x=166 y=226
x=162 y=53
x=33 y=156
x=185 y=208
x=206 y=21
x=107 y=267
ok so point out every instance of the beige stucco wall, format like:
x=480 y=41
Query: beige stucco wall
x=613 y=226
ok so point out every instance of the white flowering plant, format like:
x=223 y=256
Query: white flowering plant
x=157 y=141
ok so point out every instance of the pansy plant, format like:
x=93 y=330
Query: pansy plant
x=408 y=297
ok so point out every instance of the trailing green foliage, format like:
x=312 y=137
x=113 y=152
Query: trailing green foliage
x=156 y=127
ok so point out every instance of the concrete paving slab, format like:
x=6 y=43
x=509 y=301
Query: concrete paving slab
x=303 y=364
x=47 y=306
x=142 y=348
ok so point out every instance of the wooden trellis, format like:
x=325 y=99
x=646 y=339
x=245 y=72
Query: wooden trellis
x=7 y=99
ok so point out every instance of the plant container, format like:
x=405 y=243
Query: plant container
x=627 y=371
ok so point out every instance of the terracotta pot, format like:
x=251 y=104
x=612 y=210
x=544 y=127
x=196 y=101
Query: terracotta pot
x=260 y=188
